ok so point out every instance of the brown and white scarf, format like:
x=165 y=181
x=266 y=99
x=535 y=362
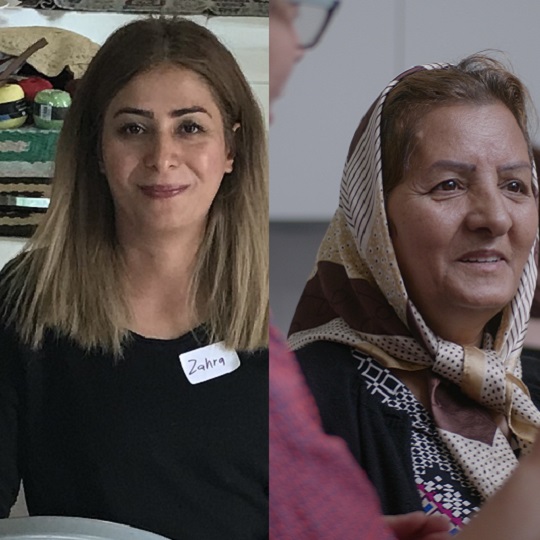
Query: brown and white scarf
x=356 y=296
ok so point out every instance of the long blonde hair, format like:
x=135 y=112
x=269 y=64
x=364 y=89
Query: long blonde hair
x=69 y=277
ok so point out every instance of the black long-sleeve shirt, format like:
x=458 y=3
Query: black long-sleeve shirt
x=134 y=441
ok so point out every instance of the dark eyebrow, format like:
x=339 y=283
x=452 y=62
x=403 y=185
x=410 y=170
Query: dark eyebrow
x=188 y=110
x=515 y=166
x=133 y=110
x=173 y=114
x=449 y=164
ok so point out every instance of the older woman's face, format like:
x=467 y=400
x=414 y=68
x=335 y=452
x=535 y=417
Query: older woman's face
x=164 y=151
x=464 y=217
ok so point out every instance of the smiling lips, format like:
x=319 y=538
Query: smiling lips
x=483 y=257
x=163 y=191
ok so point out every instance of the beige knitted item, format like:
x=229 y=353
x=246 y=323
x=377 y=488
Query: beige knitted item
x=64 y=49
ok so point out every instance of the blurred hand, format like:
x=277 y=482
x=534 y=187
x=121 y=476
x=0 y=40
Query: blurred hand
x=514 y=511
x=418 y=526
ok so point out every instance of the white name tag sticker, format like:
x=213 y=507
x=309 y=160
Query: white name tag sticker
x=209 y=362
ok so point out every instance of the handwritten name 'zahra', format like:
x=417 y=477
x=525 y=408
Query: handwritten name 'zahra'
x=203 y=365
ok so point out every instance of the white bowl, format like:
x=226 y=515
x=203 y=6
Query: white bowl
x=69 y=528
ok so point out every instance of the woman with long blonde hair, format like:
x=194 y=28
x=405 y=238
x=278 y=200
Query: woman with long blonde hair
x=133 y=361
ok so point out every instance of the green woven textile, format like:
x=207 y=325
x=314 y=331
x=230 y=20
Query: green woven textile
x=26 y=168
x=27 y=151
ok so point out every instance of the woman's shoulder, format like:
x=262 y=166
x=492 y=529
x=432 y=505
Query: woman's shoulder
x=324 y=349
x=10 y=273
x=12 y=276
x=327 y=357
x=330 y=369
x=257 y=355
x=9 y=340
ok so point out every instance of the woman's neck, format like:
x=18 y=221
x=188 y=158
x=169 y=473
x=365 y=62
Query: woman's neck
x=158 y=274
x=463 y=328
x=154 y=256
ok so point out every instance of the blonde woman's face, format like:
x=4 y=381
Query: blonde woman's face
x=464 y=217
x=164 y=151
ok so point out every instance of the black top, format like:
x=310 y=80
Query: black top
x=379 y=436
x=134 y=441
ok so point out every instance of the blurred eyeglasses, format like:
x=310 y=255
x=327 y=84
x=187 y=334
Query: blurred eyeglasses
x=311 y=19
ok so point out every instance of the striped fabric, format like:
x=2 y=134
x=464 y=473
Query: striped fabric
x=356 y=296
x=26 y=171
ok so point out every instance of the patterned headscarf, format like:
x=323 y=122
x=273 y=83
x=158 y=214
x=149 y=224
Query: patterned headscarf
x=356 y=296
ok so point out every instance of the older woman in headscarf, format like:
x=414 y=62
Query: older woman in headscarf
x=410 y=329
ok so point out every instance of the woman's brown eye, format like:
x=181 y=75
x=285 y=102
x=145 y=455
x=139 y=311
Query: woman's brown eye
x=191 y=128
x=515 y=186
x=447 y=185
x=131 y=129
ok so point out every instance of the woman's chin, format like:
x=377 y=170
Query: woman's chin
x=483 y=302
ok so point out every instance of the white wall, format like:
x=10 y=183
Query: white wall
x=366 y=45
x=9 y=247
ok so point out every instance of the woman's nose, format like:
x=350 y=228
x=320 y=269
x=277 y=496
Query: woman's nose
x=488 y=210
x=162 y=152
